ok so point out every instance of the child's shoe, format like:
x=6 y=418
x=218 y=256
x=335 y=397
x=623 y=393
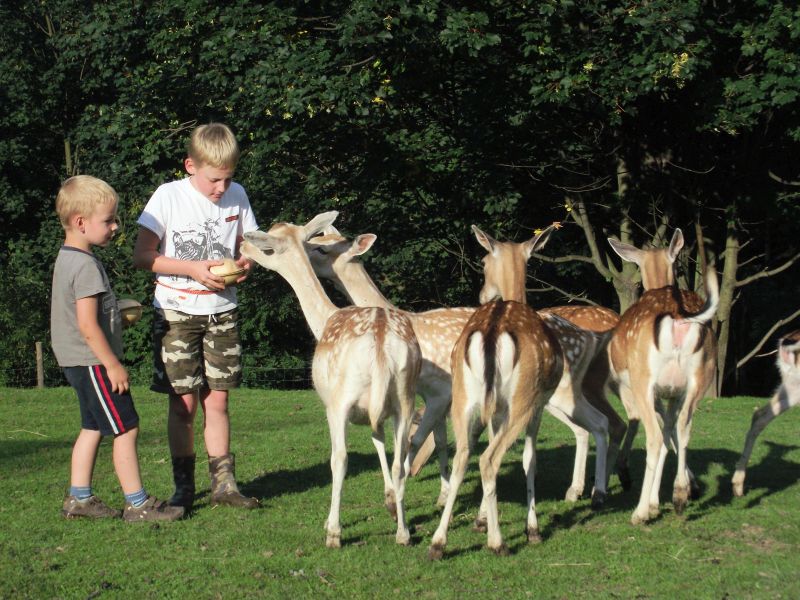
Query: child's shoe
x=151 y=510
x=92 y=507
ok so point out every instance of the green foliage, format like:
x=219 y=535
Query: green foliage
x=413 y=119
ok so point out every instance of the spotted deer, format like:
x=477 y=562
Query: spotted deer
x=663 y=356
x=365 y=366
x=506 y=365
x=336 y=259
x=787 y=396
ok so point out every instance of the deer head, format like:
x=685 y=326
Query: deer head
x=656 y=264
x=500 y=280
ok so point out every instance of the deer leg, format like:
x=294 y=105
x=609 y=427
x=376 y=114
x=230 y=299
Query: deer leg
x=529 y=465
x=337 y=425
x=433 y=419
x=654 y=444
x=402 y=421
x=460 y=460
x=681 y=487
x=779 y=404
x=622 y=467
x=389 y=497
x=576 y=488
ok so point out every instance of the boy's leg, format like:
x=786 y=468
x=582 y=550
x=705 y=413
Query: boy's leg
x=216 y=425
x=221 y=463
x=223 y=369
x=177 y=357
x=84 y=454
x=180 y=423
x=103 y=412
x=180 y=430
x=126 y=461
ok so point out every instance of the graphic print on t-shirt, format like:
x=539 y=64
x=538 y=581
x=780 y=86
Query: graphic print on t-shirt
x=200 y=242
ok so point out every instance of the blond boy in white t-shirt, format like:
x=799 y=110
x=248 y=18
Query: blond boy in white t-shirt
x=187 y=227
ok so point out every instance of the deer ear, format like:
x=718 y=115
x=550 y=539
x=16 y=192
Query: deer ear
x=538 y=241
x=626 y=251
x=362 y=243
x=675 y=245
x=319 y=223
x=484 y=240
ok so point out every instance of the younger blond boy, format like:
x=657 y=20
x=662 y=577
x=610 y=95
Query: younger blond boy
x=87 y=341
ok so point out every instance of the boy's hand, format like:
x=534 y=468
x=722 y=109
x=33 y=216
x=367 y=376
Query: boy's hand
x=118 y=376
x=201 y=274
x=246 y=264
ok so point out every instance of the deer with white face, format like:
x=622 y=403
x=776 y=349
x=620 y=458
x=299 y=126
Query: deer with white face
x=787 y=396
x=365 y=367
x=336 y=259
x=663 y=355
x=506 y=365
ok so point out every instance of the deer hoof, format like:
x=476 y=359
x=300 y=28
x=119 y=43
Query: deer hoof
x=501 y=550
x=435 y=552
x=572 y=495
x=598 y=500
x=533 y=536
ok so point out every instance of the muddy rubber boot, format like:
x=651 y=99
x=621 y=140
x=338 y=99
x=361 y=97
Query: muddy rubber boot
x=183 y=474
x=223 y=483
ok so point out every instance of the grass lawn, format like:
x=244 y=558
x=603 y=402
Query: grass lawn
x=722 y=547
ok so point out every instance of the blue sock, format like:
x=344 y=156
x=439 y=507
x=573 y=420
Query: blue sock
x=80 y=492
x=136 y=498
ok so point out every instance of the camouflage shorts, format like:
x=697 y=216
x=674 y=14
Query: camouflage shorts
x=191 y=352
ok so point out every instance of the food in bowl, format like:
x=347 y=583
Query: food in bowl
x=229 y=271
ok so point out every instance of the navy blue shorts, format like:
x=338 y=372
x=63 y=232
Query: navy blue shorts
x=101 y=409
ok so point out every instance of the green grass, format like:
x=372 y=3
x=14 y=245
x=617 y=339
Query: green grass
x=721 y=547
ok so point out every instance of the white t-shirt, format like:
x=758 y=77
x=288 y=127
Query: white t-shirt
x=191 y=227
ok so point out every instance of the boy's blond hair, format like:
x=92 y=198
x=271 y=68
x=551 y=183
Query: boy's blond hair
x=214 y=145
x=81 y=195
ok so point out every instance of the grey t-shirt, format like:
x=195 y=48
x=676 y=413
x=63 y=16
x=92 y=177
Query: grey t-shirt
x=78 y=274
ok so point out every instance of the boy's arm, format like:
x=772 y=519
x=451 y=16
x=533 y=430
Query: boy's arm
x=146 y=256
x=86 y=309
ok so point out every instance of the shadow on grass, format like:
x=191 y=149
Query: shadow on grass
x=773 y=474
x=15 y=451
x=296 y=481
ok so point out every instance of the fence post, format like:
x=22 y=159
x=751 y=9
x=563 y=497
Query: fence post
x=39 y=366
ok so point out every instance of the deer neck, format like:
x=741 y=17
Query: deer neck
x=314 y=302
x=357 y=284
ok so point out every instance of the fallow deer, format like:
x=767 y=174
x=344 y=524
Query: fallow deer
x=504 y=268
x=787 y=396
x=365 y=367
x=334 y=258
x=437 y=332
x=663 y=355
x=506 y=365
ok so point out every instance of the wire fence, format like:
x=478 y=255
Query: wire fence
x=50 y=375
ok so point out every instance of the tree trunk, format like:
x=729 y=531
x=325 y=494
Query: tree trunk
x=727 y=289
x=626 y=281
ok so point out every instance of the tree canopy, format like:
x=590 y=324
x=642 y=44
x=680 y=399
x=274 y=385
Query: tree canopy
x=416 y=120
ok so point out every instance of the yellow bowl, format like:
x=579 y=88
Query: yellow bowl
x=130 y=310
x=229 y=271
